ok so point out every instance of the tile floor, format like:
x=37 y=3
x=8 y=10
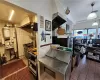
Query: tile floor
x=15 y=70
x=87 y=70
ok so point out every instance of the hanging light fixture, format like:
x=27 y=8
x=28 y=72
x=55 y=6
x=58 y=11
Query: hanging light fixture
x=67 y=11
x=95 y=24
x=92 y=15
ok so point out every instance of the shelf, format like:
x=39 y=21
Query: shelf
x=32 y=60
x=33 y=54
x=93 y=57
x=32 y=70
x=34 y=63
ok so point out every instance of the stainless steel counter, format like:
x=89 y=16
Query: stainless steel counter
x=54 y=64
x=57 y=60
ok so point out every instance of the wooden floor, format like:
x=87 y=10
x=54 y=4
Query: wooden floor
x=87 y=70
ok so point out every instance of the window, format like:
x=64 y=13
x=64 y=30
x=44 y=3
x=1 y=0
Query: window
x=81 y=34
x=99 y=33
x=92 y=33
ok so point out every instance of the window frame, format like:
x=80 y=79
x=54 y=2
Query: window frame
x=84 y=29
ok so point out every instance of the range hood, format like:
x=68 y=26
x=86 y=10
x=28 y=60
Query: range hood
x=29 y=23
x=57 y=21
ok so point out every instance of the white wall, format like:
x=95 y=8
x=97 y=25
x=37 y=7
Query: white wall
x=61 y=9
x=83 y=25
x=43 y=50
x=22 y=38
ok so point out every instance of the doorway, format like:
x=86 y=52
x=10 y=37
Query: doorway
x=18 y=29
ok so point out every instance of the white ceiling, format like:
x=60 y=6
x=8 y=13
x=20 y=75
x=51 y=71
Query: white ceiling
x=81 y=8
x=18 y=16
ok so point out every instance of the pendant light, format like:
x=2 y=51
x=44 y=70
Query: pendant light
x=95 y=24
x=92 y=15
x=67 y=11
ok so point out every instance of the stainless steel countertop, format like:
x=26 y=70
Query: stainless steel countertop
x=54 y=64
x=57 y=60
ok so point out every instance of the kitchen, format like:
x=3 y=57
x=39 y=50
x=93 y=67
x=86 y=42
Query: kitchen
x=19 y=42
x=18 y=28
x=39 y=40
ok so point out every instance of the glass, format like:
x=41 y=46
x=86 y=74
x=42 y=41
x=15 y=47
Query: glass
x=82 y=35
x=91 y=33
x=99 y=33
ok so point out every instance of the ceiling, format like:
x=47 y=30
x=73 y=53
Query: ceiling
x=81 y=8
x=19 y=14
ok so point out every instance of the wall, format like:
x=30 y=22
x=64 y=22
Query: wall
x=61 y=9
x=22 y=38
x=83 y=25
x=43 y=50
x=1 y=37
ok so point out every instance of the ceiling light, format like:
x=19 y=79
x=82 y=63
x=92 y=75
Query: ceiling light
x=92 y=15
x=95 y=24
x=11 y=15
x=31 y=27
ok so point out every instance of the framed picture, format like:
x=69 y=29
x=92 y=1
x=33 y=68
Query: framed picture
x=41 y=22
x=47 y=25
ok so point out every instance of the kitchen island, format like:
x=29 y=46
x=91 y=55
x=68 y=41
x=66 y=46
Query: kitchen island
x=57 y=64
